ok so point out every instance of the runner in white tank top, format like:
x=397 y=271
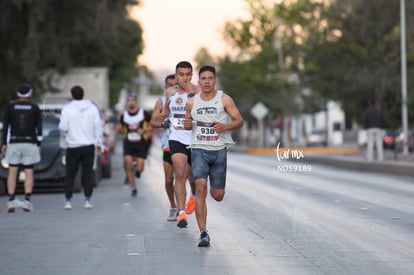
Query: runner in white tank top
x=170 y=81
x=177 y=103
x=211 y=115
x=205 y=114
x=180 y=139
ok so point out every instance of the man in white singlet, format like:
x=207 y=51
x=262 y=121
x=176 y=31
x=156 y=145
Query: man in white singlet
x=166 y=156
x=212 y=115
x=180 y=139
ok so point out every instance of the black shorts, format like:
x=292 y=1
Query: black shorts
x=178 y=147
x=138 y=149
x=166 y=156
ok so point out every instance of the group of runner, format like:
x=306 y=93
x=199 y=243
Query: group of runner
x=196 y=124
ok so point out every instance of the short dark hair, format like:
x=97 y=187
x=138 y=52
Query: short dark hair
x=207 y=68
x=168 y=77
x=184 y=65
x=77 y=92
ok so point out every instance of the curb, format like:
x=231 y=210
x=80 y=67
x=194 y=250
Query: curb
x=396 y=168
x=342 y=158
x=306 y=150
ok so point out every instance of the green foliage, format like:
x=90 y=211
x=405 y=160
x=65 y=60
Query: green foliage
x=348 y=50
x=203 y=57
x=39 y=35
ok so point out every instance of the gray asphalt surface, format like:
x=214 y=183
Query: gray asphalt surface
x=320 y=220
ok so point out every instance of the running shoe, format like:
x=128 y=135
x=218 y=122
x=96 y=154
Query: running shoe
x=27 y=206
x=204 y=239
x=11 y=206
x=173 y=215
x=190 y=206
x=134 y=193
x=88 y=204
x=68 y=205
x=182 y=220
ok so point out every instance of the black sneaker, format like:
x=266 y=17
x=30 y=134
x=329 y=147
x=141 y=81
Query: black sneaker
x=134 y=192
x=204 y=239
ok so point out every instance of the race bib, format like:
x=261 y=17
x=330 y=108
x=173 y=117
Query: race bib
x=134 y=137
x=205 y=131
x=178 y=121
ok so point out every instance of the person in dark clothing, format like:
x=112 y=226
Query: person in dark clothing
x=374 y=125
x=134 y=124
x=21 y=140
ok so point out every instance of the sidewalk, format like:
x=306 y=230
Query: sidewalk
x=346 y=157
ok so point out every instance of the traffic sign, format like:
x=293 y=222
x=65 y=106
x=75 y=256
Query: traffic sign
x=259 y=111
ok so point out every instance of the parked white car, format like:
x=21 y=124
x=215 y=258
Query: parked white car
x=317 y=138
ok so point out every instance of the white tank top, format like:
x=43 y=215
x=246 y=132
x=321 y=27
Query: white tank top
x=204 y=114
x=177 y=115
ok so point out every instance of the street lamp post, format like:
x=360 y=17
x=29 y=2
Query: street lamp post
x=281 y=63
x=403 y=79
x=280 y=48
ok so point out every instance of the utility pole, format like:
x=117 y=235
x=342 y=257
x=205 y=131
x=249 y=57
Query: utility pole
x=403 y=79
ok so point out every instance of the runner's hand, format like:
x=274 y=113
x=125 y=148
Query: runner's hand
x=188 y=123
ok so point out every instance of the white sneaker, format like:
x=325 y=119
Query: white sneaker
x=173 y=215
x=11 y=206
x=88 y=205
x=27 y=206
x=68 y=205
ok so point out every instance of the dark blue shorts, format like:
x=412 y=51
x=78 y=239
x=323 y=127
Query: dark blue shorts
x=213 y=164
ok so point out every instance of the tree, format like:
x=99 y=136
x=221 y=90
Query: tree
x=203 y=57
x=363 y=60
x=253 y=74
x=345 y=50
x=39 y=35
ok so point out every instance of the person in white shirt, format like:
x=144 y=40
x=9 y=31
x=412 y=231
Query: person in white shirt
x=81 y=127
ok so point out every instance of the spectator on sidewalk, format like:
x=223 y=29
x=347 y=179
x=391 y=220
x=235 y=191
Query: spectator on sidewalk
x=374 y=125
x=81 y=127
x=21 y=140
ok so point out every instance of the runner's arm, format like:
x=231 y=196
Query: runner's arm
x=231 y=109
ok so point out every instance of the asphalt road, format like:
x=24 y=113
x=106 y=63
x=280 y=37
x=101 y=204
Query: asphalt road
x=276 y=218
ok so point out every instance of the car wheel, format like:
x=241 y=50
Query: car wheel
x=3 y=187
x=97 y=173
x=106 y=170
